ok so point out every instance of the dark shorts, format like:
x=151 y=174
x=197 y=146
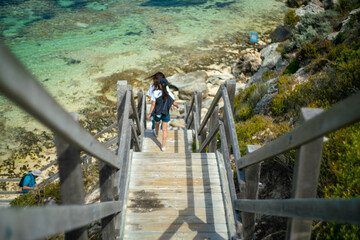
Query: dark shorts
x=162 y=118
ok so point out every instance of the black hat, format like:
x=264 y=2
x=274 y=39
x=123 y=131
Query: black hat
x=163 y=80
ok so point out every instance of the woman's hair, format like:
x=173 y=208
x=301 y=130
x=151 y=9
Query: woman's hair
x=165 y=93
x=156 y=79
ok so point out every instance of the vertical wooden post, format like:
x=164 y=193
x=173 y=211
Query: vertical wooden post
x=230 y=87
x=305 y=180
x=203 y=136
x=252 y=176
x=186 y=111
x=124 y=150
x=106 y=174
x=71 y=180
x=213 y=121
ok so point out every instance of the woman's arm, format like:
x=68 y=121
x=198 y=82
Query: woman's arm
x=151 y=108
x=176 y=105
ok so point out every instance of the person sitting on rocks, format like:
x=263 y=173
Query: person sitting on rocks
x=30 y=181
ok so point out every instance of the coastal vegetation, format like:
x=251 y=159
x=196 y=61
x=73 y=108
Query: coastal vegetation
x=332 y=68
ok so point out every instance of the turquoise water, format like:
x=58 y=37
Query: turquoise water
x=68 y=45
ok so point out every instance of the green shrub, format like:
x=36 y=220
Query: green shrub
x=258 y=130
x=268 y=75
x=340 y=171
x=346 y=6
x=293 y=66
x=246 y=101
x=309 y=50
x=279 y=104
x=39 y=197
x=291 y=18
x=316 y=25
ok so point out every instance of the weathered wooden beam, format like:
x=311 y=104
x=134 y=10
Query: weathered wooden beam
x=228 y=201
x=305 y=179
x=252 y=176
x=226 y=156
x=231 y=131
x=211 y=135
x=105 y=130
x=211 y=109
x=20 y=86
x=213 y=122
x=71 y=179
x=10 y=180
x=341 y=115
x=189 y=109
x=142 y=110
x=11 y=192
x=135 y=137
x=135 y=112
x=332 y=210
x=230 y=86
x=41 y=222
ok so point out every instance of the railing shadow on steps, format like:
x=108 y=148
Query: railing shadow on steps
x=73 y=216
x=303 y=207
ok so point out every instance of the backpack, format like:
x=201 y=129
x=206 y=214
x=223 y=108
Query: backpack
x=21 y=183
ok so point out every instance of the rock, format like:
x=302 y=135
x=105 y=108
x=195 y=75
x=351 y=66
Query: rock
x=317 y=2
x=188 y=83
x=311 y=8
x=346 y=21
x=212 y=90
x=248 y=64
x=270 y=57
x=263 y=106
x=296 y=3
x=218 y=79
x=239 y=88
x=206 y=102
x=332 y=36
x=329 y=3
x=280 y=34
x=177 y=123
x=257 y=77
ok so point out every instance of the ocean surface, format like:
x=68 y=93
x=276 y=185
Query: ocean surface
x=69 y=45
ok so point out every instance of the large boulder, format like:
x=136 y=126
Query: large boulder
x=270 y=57
x=248 y=64
x=311 y=8
x=280 y=34
x=188 y=83
x=296 y=3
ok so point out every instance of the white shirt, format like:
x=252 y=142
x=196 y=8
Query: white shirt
x=158 y=93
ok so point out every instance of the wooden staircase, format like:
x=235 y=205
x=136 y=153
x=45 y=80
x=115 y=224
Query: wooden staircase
x=174 y=194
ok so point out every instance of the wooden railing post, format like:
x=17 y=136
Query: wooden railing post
x=305 y=180
x=124 y=148
x=213 y=121
x=230 y=87
x=252 y=176
x=71 y=180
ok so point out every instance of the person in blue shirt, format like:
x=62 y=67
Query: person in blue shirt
x=30 y=181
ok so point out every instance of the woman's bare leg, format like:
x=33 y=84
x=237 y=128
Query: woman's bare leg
x=165 y=133
x=157 y=128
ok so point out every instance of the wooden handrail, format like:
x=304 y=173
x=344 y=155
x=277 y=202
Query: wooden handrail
x=211 y=109
x=19 y=85
x=341 y=115
x=190 y=109
x=105 y=130
x=135 y=137
x=335 y=210
x=134 y=112
x=40 y=222
x=211 y=135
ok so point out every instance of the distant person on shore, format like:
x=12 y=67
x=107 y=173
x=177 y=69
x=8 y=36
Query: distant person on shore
x=155 y=86
x=29 y=181
x=162 y=101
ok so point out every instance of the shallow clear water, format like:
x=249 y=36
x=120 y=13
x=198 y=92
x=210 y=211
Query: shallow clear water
x=67 y=45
